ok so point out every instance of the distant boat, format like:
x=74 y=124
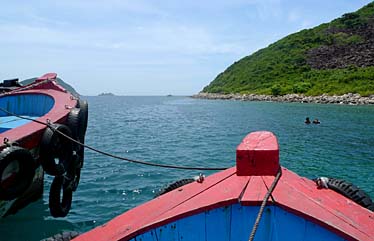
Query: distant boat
x=169 y=95
x=227 y=206
x=30 y=148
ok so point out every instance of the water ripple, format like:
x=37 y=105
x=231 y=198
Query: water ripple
x=184 y=131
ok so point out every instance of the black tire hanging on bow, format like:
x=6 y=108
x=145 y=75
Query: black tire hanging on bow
x=83 y=106
x=60 y=206
x=56 y=151
x=175 y=185
x=352 y=192
x=77 y=122
x=17 y=170
x=73 y=121
x=74 y=171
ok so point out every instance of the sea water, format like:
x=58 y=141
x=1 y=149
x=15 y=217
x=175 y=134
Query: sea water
x=192 y=132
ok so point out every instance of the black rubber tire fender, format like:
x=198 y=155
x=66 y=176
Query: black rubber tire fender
x=60 y=206
x=175 y=185
x=73 y=122
x=352 y=192
x=23 y=178
x=74 y=171
x=76 y=121
x=83 y=106
x=55 y=146
x=76 y=179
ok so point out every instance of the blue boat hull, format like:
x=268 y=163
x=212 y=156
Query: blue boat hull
x=235 y=222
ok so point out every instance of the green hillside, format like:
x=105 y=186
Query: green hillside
x=333 y=58
x=59 y=81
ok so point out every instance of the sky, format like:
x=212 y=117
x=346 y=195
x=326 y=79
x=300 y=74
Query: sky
x=145 y=47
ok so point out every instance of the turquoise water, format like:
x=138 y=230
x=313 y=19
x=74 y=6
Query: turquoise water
x=185 y=131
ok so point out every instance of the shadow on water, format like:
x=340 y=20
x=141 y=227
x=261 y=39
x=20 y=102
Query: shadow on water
x=32 y=223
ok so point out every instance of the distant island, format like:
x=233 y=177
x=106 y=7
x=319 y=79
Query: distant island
x=106 y=94
x=334 y=58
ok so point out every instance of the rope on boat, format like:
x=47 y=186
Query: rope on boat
x=268 y=194
x=50 y=125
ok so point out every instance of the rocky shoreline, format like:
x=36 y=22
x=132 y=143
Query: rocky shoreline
x=347 y=99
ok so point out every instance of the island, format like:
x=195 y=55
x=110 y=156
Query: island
x=106 y=94
x=331 y=61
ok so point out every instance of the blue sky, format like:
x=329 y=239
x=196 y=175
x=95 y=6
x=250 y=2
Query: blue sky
x=146 y=47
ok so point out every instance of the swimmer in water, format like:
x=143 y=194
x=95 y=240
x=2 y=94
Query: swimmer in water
x=316 y=121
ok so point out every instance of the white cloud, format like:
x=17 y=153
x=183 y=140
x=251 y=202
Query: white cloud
x=149 y=39
x=151 y=35
x=177 y=39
